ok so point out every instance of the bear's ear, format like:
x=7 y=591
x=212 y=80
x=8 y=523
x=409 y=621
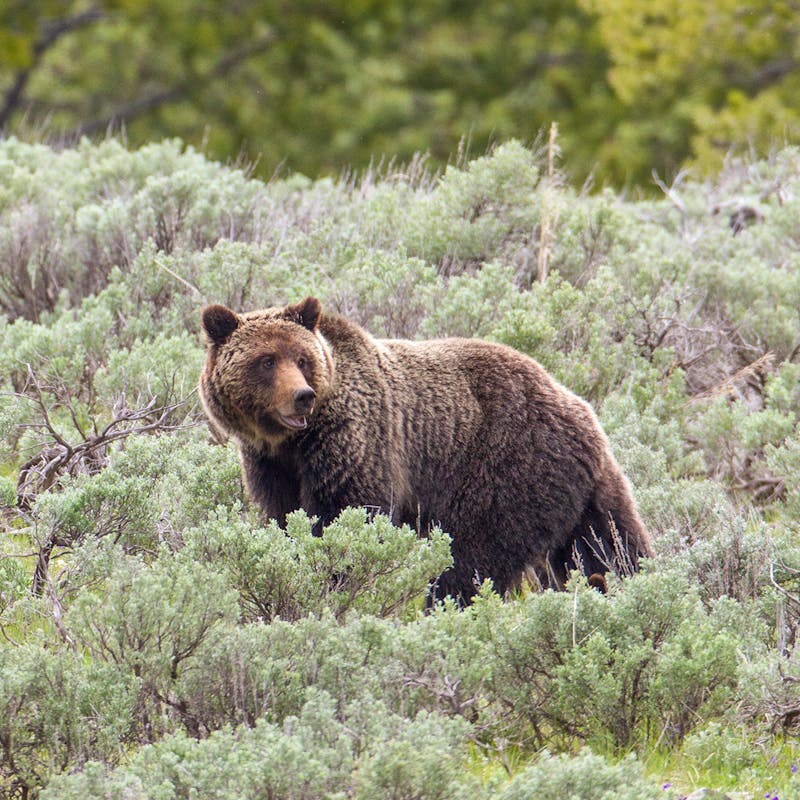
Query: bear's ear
x=219 y=323
x=305 y=313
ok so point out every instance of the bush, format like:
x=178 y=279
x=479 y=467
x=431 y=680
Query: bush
x=585 y=777
x=57 y=711
x=644 y=662
x=356 y=564
x=368 y=754
x=149 y=622
x=175 y=638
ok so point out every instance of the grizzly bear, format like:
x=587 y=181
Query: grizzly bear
x=471 y=436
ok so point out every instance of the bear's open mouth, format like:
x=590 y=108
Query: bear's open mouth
x=294 y=421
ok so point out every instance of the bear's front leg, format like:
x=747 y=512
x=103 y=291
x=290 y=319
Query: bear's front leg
x=272 y=483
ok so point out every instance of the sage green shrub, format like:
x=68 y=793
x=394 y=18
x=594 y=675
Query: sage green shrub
x=645 y=662
x=58 y=711
x=144 y=497
x=361 y=751
x=158 y=639
x=356 y=564
x=585 y=777
x=490 y=206
x=149 y=622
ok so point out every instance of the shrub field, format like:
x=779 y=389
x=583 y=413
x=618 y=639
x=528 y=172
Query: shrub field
x=158 y=640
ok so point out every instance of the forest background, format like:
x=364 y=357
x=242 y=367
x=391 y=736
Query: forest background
x=635 y=86
x=157 y=639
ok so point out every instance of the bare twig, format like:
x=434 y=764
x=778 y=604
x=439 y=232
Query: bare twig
x=58 y=611
x=58 y=456
x=187 y=284
x=670 y=192
x=725 y=387
x=788 y=595
x=89 y=456
x=549 y=211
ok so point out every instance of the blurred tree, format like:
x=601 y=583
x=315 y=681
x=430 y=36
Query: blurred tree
x=313 y=85
x=316 y=86
x=26 y=35
x=699 y=79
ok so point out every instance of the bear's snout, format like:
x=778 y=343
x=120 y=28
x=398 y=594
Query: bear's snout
x=304 y=400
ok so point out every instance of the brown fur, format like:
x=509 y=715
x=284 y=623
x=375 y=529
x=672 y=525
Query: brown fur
x=472 y=436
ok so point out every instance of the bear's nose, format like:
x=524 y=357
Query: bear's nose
x=304 y=400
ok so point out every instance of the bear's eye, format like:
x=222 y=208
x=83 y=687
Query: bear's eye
x=301 y=362
x=267 y=362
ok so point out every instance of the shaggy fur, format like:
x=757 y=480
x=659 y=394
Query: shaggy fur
x=472 y=436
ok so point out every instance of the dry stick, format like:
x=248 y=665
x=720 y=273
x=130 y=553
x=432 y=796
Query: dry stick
x=574 y=616
x=177 y=277
x=670 y=192
x=727 y=385
x=788 y=595
x=58 y=611
x=548 y=218
x=781 y=606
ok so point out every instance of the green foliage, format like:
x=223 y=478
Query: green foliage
x=107 y=504
x=644 y=661
x=13 y=581
x=718 y=747
x=312 y=755
x=324 y=87
x=711 y=73
x=55 y=709
x=157 y=638
x=477 y=209
x=317 y=86
x=472 y=305
x=146 y=495
x=150 y=618
x=355 y=564
x=585 y=777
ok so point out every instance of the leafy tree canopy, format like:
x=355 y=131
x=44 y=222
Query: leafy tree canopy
x=698 y=79
x=313 y=86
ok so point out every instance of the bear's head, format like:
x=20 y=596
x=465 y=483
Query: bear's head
x=266 y=372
